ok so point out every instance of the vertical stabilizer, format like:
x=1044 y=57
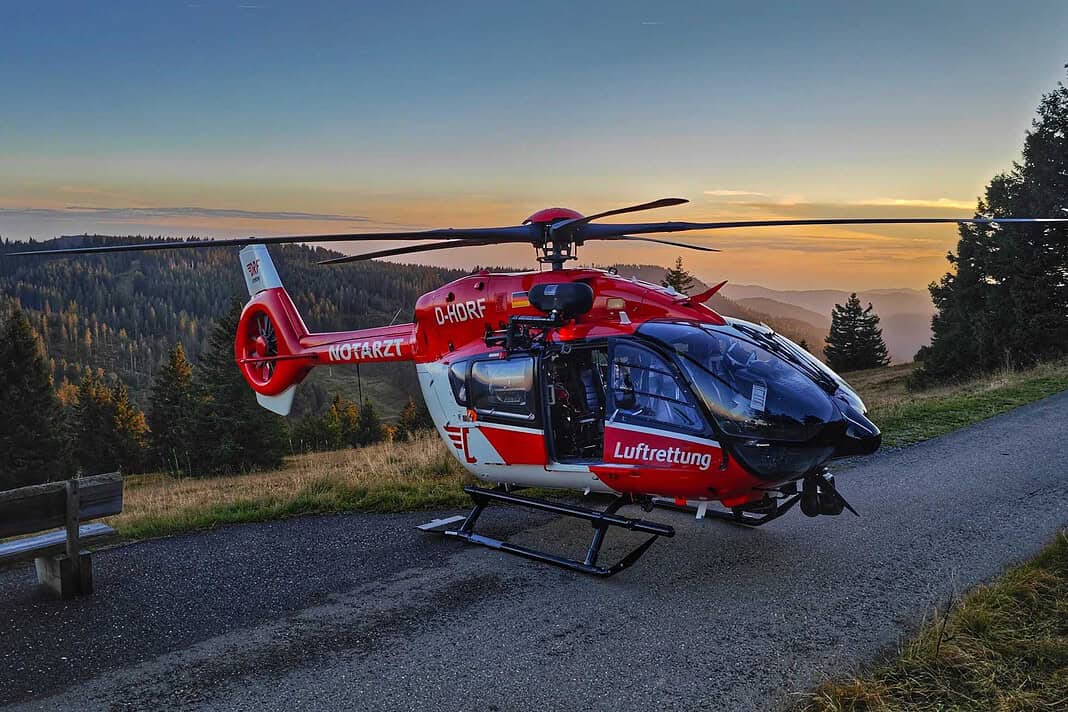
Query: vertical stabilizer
x=259 y=270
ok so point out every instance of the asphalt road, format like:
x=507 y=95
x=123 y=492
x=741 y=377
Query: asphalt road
x=363 y=612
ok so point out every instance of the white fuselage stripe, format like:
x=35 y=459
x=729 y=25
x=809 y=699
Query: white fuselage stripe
x=663 y=433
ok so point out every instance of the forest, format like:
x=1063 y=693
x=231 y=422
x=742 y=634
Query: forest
x=122 y=313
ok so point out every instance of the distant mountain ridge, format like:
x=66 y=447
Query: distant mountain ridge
x=772 y=306
x=789 y=322
x=904 y=314
x=822 y=301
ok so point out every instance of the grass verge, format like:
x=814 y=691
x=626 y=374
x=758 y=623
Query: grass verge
x=421 y=474
x=908 y=417
x=387 y=477
x=1004 y=646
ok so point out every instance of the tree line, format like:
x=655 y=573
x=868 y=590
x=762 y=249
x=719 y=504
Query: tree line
x=1004 y=302
x=201 y=419
x=123 y=312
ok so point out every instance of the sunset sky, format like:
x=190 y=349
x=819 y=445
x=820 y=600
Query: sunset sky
x=267 y=117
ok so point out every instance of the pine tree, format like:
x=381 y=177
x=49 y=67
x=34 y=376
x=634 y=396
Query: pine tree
x=678 y=278
x=855 y=341
x=130 y=431
x=346 y=415
x=232 y=432
x=369 y=428
x=1005 y=300
x=413 y=418
x=318 y=432
x=804 y=344
x=93 y=425
x=171 y=411
x=33 y=438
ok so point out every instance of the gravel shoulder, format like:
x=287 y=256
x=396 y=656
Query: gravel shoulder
x=363 y=612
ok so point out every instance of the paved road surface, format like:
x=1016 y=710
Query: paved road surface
x=362 y=612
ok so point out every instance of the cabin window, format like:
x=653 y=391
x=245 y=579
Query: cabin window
x=646 y=392
x=458 y=381
x=503 y=388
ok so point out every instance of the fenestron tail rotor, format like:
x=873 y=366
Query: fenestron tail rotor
x=268 y=339
x=258 y=351
x=555 y=233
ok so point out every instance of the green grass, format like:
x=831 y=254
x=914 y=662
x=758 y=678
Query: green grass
x=1004 y=646
x=910 y=418
x=322 y=496
x=386 y=477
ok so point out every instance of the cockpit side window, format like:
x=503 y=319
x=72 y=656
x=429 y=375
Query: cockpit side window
x=645 y=391
x=750 y=391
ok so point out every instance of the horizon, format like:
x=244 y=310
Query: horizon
x=285 y=119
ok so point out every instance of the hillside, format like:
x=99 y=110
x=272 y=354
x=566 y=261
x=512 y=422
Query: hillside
x=123 y=312
x=886 y=301
x=790 y=311
x=792 y=323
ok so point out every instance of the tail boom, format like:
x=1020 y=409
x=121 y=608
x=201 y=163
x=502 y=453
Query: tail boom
x=275 y=351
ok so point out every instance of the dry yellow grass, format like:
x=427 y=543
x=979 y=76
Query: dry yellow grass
x=383 y=477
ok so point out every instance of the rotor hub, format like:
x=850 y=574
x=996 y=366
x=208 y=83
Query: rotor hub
x=554 y=249
x=547 y=216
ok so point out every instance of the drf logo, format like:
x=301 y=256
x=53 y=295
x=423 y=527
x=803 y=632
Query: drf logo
x=253 y=268
x=458 y=438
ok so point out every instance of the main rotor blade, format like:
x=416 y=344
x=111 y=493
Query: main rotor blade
x=444 y=245
x=687 y=245
x=603 y=231
x=514 y=233
x=568 y=225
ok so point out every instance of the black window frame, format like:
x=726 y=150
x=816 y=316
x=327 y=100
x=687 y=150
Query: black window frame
x=613 y=411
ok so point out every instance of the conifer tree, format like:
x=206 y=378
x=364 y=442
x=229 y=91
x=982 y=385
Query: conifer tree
x=855 y=340
x=369 y=427
x=318 y=432
x=131 y=436
x=413 y=418
x=172 y=408
x=33 y=437
x=678 y=278
x=233 y=433
x=1005 y=300
x=110 y=432
x=348 y=415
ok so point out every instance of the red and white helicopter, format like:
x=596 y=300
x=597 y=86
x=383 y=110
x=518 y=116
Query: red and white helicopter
x=581 y=379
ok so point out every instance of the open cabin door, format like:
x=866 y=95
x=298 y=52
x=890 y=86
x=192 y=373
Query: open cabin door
x=654 y=432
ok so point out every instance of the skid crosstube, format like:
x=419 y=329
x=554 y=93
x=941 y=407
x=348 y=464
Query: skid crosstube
x=600 y=520
x=748 y=519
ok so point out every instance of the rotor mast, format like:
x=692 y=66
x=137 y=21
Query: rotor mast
x=556 y=250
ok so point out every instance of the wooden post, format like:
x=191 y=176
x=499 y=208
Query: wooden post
x=74 y=545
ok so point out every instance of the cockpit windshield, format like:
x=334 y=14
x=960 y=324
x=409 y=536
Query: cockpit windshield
x=753 y=385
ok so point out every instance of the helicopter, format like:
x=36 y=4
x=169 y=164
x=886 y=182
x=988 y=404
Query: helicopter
x=581 y=379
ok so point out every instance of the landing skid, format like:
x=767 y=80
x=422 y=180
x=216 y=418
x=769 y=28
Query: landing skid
x=600 y=520
x=736 y=515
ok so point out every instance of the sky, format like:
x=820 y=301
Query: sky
x=261 y=117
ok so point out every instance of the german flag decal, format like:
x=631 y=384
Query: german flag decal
x=519 y=299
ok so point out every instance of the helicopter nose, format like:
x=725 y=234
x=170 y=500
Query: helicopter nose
x=862 y=437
